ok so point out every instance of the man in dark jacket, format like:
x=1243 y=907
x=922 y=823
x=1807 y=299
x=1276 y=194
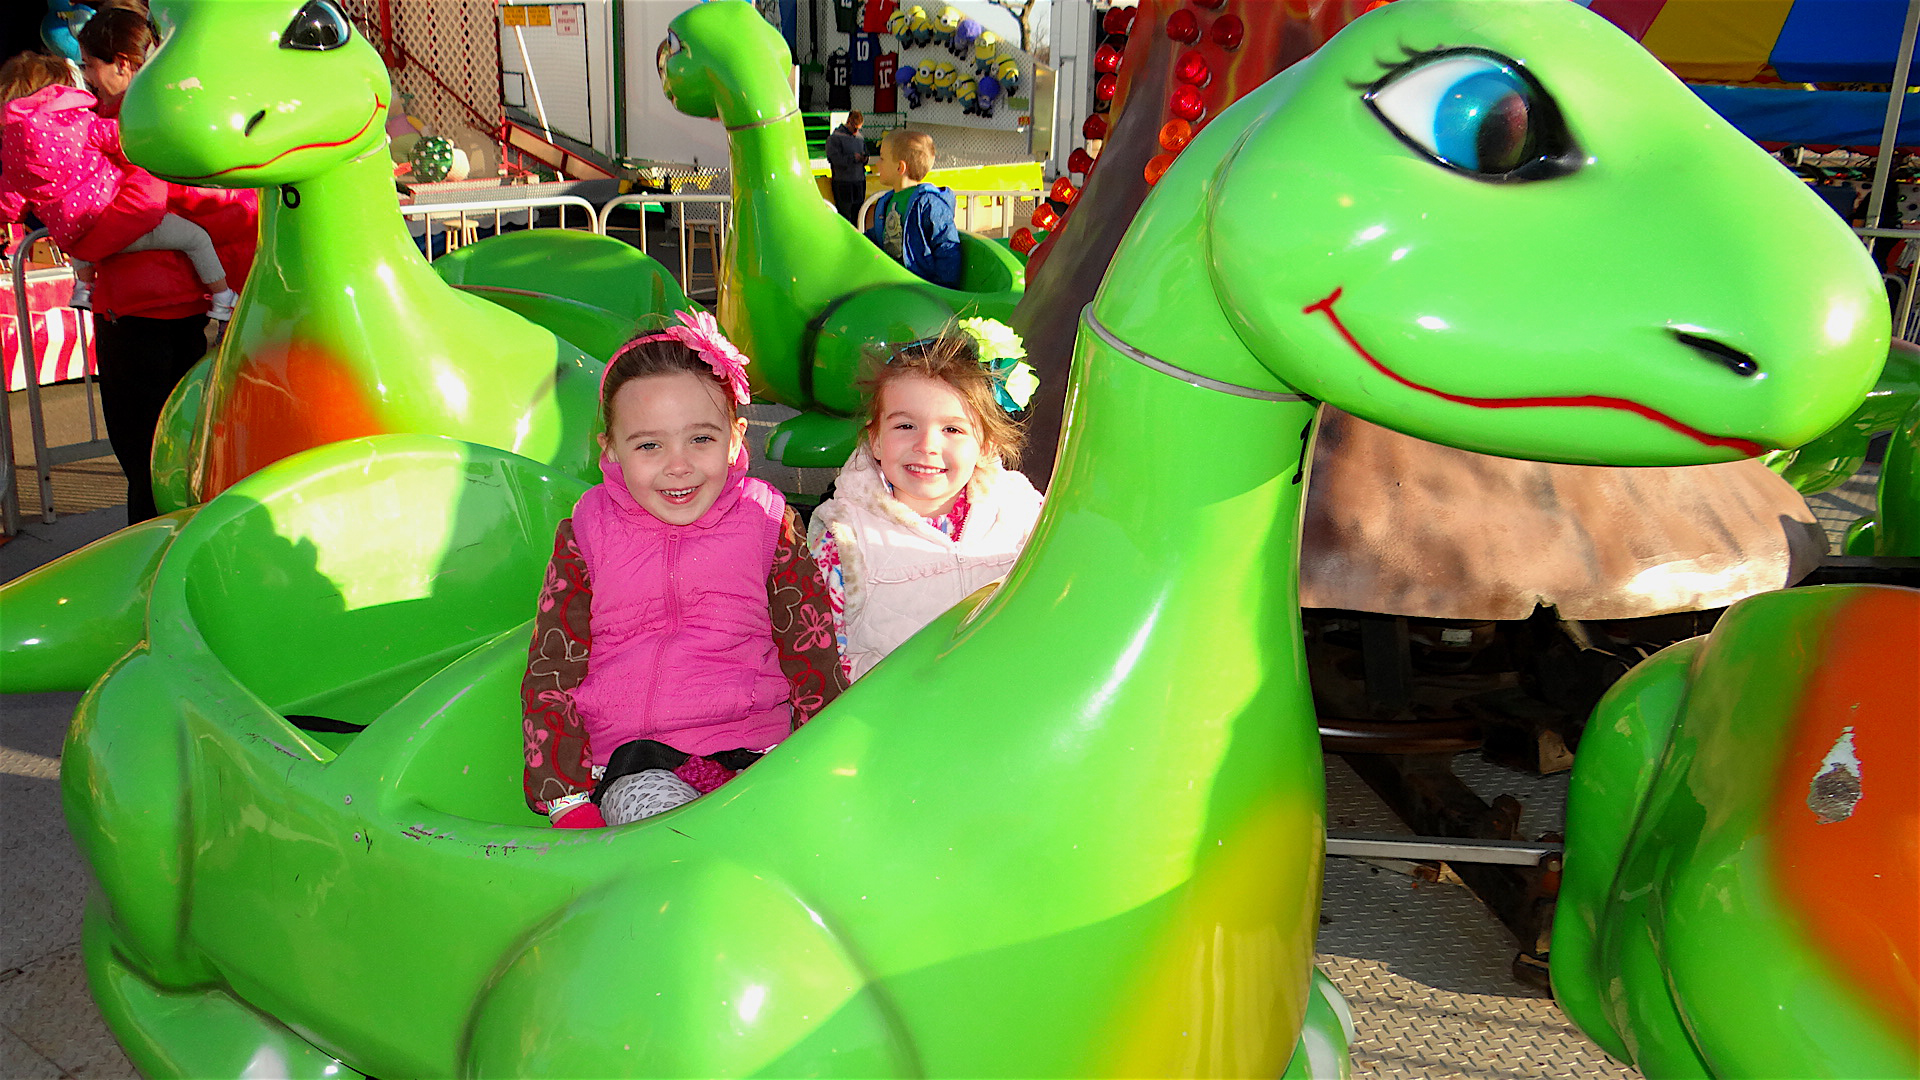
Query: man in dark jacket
x=847 y=154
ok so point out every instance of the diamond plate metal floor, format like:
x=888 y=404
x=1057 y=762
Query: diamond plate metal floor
x=1425 y=965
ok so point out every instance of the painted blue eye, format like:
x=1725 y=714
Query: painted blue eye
x=1476 y=112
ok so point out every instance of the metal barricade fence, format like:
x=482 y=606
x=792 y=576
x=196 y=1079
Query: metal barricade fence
x=689 y=214
x=472 y=214
x=978 y=211
x=1904 y=322
x=45 y=457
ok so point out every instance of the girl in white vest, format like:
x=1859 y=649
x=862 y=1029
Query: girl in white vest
x=928 y=508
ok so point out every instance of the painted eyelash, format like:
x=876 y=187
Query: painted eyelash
x=1409 y=56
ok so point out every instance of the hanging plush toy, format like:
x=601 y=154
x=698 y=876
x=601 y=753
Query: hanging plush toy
x=1007 y=70
x=897 y=26
x=944 y=24
x=989 y=94
x=919 y=27
x=944 y=76
x=985 y=48
x=905 y=77
x=963 y=38
x=923 y=81
x=966 y=91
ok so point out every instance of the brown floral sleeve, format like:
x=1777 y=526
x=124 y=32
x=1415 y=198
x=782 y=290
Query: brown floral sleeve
x=558 y=762
x=803 y=624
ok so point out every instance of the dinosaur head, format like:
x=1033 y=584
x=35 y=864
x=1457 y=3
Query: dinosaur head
x=724 y=61
x=254 y=93
x=1502 y=225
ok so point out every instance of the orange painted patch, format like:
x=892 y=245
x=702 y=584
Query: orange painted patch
x=1854 y=880
x=284 y=399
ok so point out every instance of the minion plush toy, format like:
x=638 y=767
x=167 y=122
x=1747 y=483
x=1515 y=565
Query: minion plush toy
x=919 y=28
x=897 y=26
x=944 y=24
x=923 y=82
x=904 y=77
x=1007 y=70
x=961 y=45
x=966 y=90
x=944 y=77
x=985 y=48
x=988 y=96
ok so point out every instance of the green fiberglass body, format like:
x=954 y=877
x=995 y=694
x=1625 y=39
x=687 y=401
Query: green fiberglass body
x=1074 y=827
x=801 y=291
x=1742 y=889
x=345 y=330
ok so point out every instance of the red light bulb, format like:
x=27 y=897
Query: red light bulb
x=1229 y=31
x=1106 y=88
x=1106 y=59
x=1175 y=135
x=1187 y=103
x=1192 y=68
x=1095 y=127
x=1119 y=20
x=1158 y=167
x=1023 y=240
x=1063 y=191
x=1045 y=217
x=1080 y=161
x=1183 y=27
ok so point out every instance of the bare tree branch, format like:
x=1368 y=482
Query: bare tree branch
x=1022 y=12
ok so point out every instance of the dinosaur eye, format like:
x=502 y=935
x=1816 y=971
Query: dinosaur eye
x=317 y=28
x=668 y=46
x=1478 y=112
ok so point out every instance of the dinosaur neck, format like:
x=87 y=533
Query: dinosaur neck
x=335 y=242
x=773 y=186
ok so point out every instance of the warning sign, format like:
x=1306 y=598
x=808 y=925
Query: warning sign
x=527 y=15
x=566 y=20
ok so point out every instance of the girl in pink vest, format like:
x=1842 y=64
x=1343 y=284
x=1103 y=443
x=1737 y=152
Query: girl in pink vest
x=684 y=629
x=928 y=508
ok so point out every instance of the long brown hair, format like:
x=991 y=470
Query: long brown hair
x=116 y=31
x=951 y=358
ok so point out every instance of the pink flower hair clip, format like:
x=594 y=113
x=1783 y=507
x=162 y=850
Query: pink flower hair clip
x=700 y=332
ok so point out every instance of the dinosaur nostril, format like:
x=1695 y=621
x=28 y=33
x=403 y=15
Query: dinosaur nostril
x=254 y=121
x=1725 y=355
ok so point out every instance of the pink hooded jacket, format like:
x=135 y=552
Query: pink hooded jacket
x=682 y=645
x=62 y=160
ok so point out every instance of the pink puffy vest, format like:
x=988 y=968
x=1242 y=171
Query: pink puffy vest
x=683 y=648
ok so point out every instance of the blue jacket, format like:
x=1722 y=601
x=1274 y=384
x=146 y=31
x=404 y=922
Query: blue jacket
x=930 y=245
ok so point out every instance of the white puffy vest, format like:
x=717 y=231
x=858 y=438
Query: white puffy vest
x=900 y=573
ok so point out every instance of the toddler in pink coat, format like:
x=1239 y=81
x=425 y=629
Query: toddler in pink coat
x=683 y=630
x=63 y=161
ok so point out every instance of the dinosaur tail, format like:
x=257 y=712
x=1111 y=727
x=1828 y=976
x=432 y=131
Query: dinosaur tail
x=69 y=621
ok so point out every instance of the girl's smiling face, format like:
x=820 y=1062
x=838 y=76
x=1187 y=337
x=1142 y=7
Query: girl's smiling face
x=673 y=441
x=927 y=443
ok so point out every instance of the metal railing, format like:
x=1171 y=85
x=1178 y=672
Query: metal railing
x=45 y=457
x=1904 y=306
x=688 y=214
x=468 y=215
x=977 y=211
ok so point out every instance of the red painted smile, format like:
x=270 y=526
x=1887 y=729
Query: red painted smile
x=378 y=108
x=1746 y=447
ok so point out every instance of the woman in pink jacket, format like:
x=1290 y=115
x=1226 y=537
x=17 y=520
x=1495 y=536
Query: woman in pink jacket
x=62 y=160
x=683 y=630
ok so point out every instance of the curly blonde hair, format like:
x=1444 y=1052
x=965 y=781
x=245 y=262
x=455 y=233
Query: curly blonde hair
x=954 y=359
